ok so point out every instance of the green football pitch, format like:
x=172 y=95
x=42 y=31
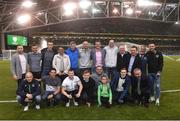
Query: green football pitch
x=169 y=102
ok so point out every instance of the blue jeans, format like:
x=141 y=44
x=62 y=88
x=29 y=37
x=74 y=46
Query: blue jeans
x=21 y=100
x=45 y=71
x=56 y=97
x=154 y=85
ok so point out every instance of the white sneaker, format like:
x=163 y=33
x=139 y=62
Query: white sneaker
x=75 y=103
x=68 y=104
x=37 y=107
x=152 y=99
x=26 y=108
x=157 y=102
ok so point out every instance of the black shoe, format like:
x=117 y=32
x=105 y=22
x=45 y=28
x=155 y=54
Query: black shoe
x=146 y=105
x=48 y=103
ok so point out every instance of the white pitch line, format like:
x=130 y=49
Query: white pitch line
x=8 y=101
x=178 y=59
x=176 y=90
x=169 y=57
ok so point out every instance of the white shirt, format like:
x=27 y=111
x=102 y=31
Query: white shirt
x=131 y=62
x=111 y=56
x=23 y=63
x=120 y=88
x=71 y=85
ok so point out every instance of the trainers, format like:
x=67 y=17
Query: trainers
x=152 y=99
x=75 y=103
x=157 y=102
x=88 y=104
x=26 y=108
x=68 y=104
x=120 y=101
x=37 y=107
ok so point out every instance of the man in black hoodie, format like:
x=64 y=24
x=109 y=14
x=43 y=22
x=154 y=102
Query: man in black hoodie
x=155 y=66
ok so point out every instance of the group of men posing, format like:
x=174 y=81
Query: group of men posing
x=86 y=75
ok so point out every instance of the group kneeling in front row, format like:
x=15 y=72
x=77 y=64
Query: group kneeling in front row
x=85 y=89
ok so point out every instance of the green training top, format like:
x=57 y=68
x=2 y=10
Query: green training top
x=104 y=90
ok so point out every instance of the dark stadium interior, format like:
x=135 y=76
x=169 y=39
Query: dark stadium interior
x=134 y=29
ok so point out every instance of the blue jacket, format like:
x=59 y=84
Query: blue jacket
x=29 y=87
x=126 y=85
x=74 y=56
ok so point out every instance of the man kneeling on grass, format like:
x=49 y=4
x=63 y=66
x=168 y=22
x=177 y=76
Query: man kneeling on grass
x=71 y=88
x=52 y=88
x=28 y=91
x=104 y=92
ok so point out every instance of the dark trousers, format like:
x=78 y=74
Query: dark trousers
x=37 y=75
x=73 y=93
x=19 y=80
x=87 y=97
x=142 y=98
x=105 y=101
x=111 y=72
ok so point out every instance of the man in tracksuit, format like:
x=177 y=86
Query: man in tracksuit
x=73 y=54
x=155 y=66
x=29 y=90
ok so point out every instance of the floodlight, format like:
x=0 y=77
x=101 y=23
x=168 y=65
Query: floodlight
x=115 y=11
x=94 y=10
x=24 y=19
x=69 y=6
x=147 y=3
x=27 y=4
x=84 y=4
x=129 y=11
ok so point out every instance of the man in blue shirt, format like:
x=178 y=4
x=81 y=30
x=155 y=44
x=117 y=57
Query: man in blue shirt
x=73 y=54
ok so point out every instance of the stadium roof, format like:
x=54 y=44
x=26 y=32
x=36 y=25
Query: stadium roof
x=47 y=12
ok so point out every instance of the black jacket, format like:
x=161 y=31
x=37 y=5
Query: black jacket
x=136 y=64
x=121 y=61
x=154 y=61
x=31 y=88
x=43 y=51
x=144 y=85
x=88 y=87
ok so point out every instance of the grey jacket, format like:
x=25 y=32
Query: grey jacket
x=93 y=57
x=16 y=66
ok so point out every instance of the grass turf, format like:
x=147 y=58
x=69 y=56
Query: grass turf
x=169 y=109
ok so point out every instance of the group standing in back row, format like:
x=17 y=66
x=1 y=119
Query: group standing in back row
x=103 y=74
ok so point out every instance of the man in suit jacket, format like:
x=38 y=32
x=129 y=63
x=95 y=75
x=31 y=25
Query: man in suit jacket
x=121 y=86
x=140 y=87
x=98 y=56
x=19 y=64
x=133 y=60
